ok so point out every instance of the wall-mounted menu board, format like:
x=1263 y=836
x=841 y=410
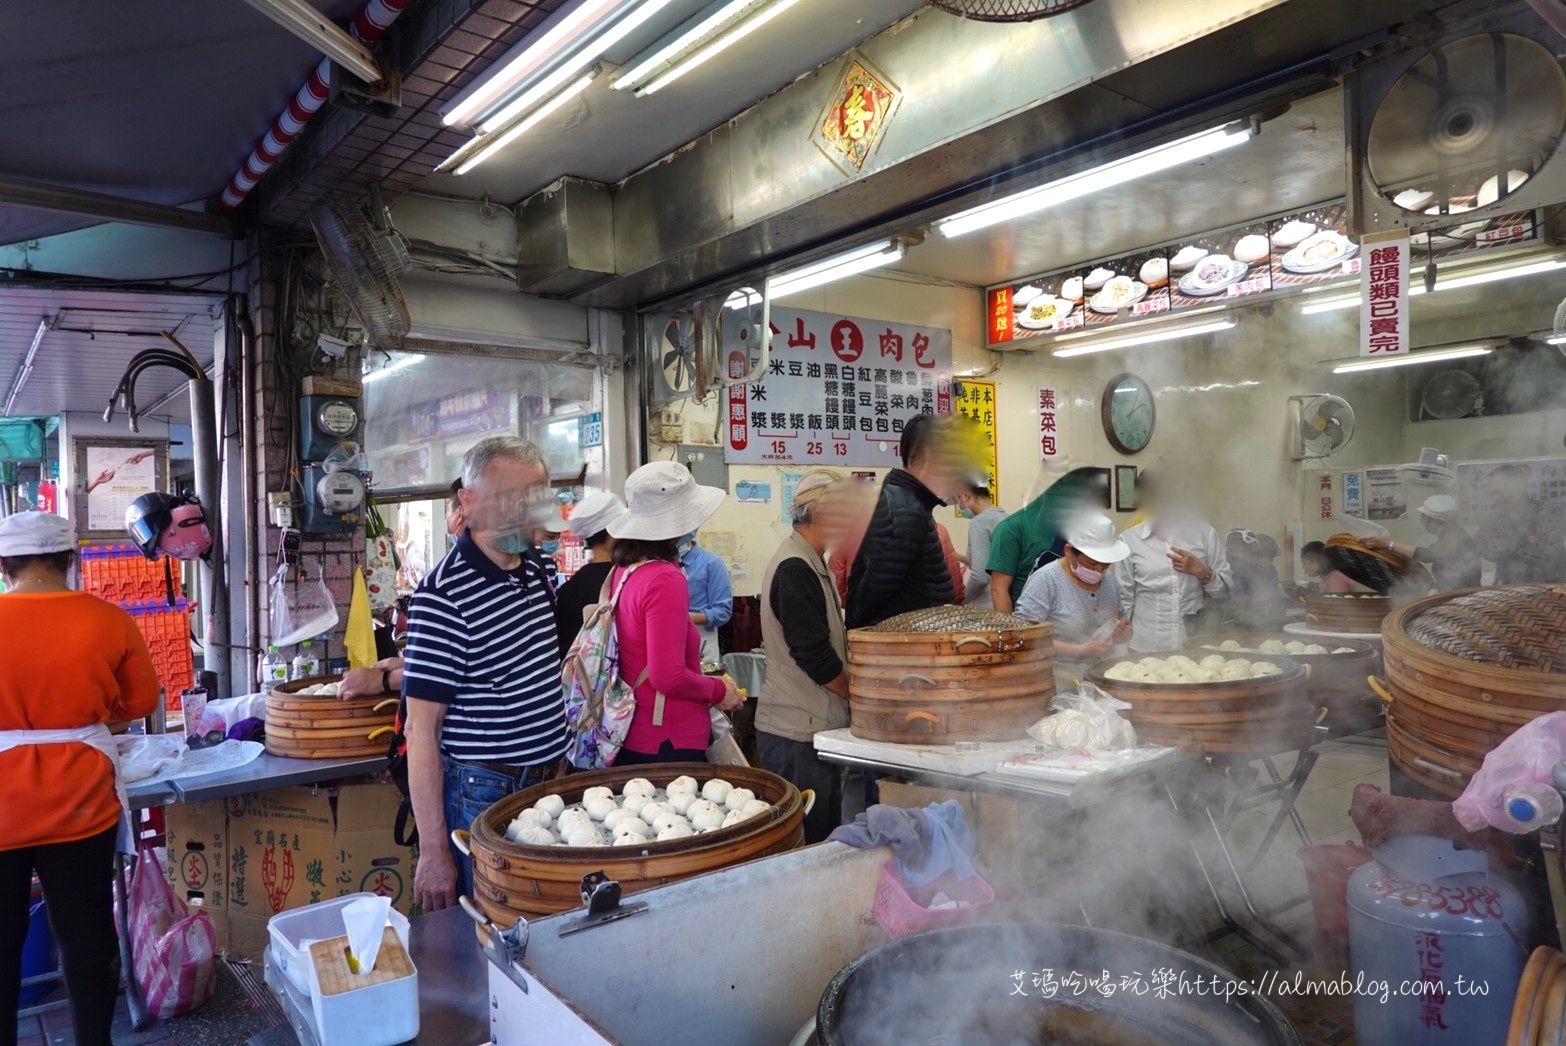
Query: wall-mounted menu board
x=1297 y=250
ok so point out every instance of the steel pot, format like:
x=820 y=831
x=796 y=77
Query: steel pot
x=977 y=986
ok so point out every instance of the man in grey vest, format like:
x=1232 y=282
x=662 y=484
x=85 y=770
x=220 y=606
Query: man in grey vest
x=806 y=686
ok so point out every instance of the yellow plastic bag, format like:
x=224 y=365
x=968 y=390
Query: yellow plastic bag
x=359 y=637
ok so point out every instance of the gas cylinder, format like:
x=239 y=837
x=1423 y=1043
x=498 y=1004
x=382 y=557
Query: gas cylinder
x=1436 y=940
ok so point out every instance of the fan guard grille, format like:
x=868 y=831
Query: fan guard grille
x=1007 y=10
x=365 y=264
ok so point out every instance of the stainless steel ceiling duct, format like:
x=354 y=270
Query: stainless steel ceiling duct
x=1101 y=77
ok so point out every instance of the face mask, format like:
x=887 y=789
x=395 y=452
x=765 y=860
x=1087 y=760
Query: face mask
x=1086 y=576
x=684 y=548
x=513 y=543
x=964 y=512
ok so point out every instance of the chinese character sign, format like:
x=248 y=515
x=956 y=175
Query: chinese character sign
x=977 y=403
x=1324 y=492
x=837 y=390
x=861 y=104
x=1383 y=310
x=1050 y=411
x=1354 y=494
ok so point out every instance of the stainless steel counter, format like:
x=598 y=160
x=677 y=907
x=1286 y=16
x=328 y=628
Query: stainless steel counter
x=269 y=771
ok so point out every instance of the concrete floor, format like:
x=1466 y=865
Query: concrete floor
x=243 y=1007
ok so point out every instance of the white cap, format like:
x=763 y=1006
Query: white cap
x=664 y=502
x=593 y=514
x=35 y=534
x=1440 y=506
x=1093 y=535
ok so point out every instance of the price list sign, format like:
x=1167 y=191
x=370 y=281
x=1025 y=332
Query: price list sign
x=838 y=390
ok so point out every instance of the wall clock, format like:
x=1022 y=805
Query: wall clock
x=1128 y=413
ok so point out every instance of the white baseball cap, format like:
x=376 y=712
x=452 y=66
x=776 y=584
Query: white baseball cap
x=1442 y=507
x=593 y=514
x=35 y=534
x=664 y=502
x=1093 y=535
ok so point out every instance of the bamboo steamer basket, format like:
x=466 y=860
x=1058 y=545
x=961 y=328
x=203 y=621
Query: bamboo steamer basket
x=984 y=683
x=512 y=879
x=309 y=727
x=1359 y=612
x=1340 y=683
x=1242 y=716
x=1464 y=670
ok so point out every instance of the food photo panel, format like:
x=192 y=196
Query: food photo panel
x=1048 y=305
x=1130 y=287
x=1313 y=247
x=1219 y=266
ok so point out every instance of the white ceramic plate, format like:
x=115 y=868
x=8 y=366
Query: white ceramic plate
x=1189 y=284
x=1104 y=307
x=1028 y=319
x=1297 y=260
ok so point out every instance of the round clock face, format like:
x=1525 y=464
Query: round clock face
x=337 y=418
x=1128 y=413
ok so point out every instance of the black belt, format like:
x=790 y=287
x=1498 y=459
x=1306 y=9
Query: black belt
x=543 y=771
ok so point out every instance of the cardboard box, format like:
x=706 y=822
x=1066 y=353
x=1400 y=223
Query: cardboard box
x=296 y=846
x=197 y=842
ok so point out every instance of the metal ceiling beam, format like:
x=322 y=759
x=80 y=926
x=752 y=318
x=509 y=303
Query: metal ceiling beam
x=321 y=33
x=44 y=197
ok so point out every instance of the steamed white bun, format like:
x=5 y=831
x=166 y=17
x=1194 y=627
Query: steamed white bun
x=680 y=802
x=634 y=801
x=534 y=835
x=1294 y=647
x=589 y=836
x=738 y=797
x=732 y=818
x=1212 y=663
x=754 y=808
x=1265 y=668
x=551 y=805
x=1273 y=646
x=597 y=793
x=717 y=790
x=638 y=786
x=614 y=817
x=533 y=816
x=683 y=784
x=1314 y=648
x=630 y=831
x=651 y=811
x=600 y=806
x=1345 y=650
x=1152 y=662
x=668 y=820
x=1229 y=644
x=679 y=830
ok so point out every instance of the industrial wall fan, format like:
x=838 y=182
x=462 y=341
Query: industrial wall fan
x=1451 y=394
x=1460 y=132
x=1323 y=425
x=1007 y=10
x=366 y=258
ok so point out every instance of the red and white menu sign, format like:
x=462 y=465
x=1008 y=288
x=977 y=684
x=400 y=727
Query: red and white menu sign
x=837 y=391
x=1383 y=310
x=1050 y=409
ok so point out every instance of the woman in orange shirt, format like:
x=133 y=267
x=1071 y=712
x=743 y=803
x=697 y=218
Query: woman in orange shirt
x=69 y=663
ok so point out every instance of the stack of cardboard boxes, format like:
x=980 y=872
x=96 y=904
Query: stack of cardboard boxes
x=246 y=858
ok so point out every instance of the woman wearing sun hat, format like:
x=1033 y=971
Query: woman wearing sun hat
x=590 y=520
x=659 y=645
x=1077 y=595
x=69 y=663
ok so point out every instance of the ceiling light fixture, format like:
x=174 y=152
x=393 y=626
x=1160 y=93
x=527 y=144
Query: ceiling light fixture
x=392 y=368
x=1105 y=176
x=1151 y=337
x=1559 y=339
x=1455 y=283
x=718 y=28
x=26 y=370
x=486 y=146
x=850 y=263
x=1456 y=352
x=526 y=59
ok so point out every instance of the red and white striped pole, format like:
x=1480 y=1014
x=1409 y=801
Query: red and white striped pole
x=368 y=26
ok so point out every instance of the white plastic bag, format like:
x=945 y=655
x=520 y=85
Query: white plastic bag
x=1085 y=720
x=301 y=606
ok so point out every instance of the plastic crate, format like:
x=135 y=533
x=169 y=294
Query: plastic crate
x=901 y=910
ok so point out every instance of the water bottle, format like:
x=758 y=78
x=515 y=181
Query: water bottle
x=306 y=664
x=274 y=667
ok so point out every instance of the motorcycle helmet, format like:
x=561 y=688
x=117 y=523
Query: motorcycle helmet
x=189 y=536
x=169 y=523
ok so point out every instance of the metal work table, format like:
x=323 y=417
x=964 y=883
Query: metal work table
x=268 y=771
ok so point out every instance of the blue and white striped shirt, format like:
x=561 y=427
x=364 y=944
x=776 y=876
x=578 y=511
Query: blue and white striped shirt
x=482 y=641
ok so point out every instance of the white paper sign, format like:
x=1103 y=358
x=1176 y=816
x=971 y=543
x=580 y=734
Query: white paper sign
x=1049 y=422
x=115 y=477
x=838 y=390
x=1383 y=309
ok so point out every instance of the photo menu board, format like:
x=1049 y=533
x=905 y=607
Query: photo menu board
x=1465 y=237
x=1313 y=247
x=1134 y=286
x=1048 y=306
x=1220 y=266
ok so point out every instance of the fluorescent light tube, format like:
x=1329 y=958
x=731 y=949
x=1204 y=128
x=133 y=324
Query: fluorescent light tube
x=848 y=264
x=586 y=56
x=1559 y=339
x=1137 y=165
x=25 y=371
x=391 y=368
x=689 y=48
x=1145 y=339
x=526 y=60
x=486 y=146
x=1455 y=283
x=1457 y=352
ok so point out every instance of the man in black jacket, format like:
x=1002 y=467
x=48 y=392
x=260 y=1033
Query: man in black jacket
x=901 y=566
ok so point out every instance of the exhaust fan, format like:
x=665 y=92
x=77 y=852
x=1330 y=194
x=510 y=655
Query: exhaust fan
x=1451 y=394
x=1458 y=133
x=1323 y=425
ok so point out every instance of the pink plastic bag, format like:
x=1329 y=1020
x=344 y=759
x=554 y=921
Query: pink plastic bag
x=175 y=949
x=1513 y=791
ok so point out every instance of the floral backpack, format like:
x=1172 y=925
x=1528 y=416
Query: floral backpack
x=598 y=702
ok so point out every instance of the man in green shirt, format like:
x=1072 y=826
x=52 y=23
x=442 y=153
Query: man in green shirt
x=1024 y=536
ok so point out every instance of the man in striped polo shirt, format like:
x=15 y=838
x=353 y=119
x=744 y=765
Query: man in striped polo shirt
x=482 y=671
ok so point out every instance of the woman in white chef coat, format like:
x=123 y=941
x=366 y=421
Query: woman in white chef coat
x=1177 y=561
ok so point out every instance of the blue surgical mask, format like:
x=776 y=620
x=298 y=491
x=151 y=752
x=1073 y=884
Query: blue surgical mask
x=964 y=512
x=513 y=543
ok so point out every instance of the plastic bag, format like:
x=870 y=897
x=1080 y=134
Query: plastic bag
x=301 y=607
x=175 y=949
x=1514 y=791
x=1086 y=720
x=724 y=750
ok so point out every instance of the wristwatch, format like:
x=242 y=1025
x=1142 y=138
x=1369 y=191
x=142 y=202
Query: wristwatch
x=386 y=686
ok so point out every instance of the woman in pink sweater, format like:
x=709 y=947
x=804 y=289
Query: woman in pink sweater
x=660 y=649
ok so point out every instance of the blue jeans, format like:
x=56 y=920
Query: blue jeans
x=469 y=791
